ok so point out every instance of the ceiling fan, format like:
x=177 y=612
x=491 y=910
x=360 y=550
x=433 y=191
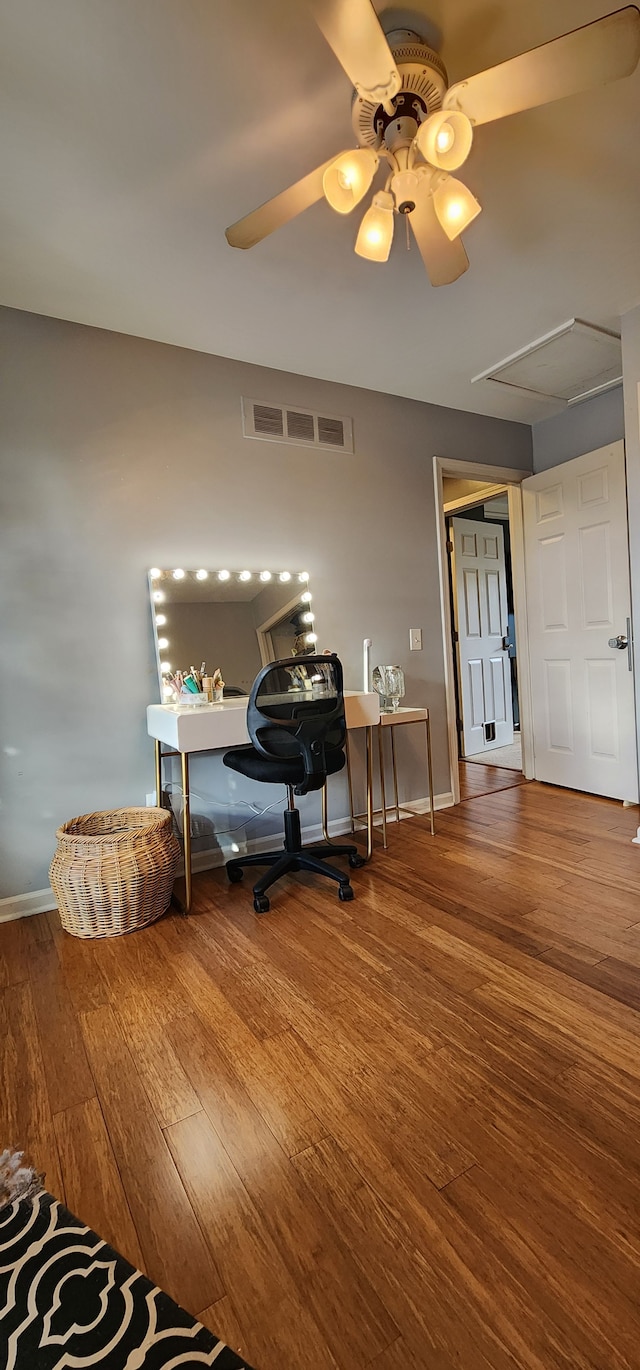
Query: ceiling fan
x=405 y=113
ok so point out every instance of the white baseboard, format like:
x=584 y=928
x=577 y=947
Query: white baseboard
x=24 y=905
x=42 y=901
x=312 y=832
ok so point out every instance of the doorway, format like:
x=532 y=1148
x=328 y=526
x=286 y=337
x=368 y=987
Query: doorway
x=484 y=622
x=485 y=663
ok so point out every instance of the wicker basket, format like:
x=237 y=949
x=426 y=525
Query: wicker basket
x=114 y=871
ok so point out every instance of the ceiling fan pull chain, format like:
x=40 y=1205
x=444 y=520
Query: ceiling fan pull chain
x=406 y=222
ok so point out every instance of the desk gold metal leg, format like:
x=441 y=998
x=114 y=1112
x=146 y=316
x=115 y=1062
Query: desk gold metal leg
x=395 y=772
x=383 y=793
x=369 y=750
x=350 y=781
x=325 y=828
x=430 y=770
x=158 y=760
x=186 y=829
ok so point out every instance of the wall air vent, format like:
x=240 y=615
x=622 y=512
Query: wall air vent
x=267 y=421
x=299 y=427
x=568 y=365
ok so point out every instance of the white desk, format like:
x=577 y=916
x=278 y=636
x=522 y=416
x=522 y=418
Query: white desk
x=216 y=727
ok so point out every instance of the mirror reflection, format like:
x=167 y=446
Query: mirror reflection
x=215 y=629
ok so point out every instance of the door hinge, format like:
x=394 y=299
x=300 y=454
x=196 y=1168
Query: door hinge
x=449 y=546
x=455 y=637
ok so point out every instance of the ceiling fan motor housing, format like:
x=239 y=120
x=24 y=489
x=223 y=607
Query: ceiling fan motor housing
x=424 y=82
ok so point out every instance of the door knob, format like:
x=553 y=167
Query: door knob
x=619 y=643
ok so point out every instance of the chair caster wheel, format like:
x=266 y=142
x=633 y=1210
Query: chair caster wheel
x=356 y=862
x=261 y=903
x=345 y=893
x=235 y=876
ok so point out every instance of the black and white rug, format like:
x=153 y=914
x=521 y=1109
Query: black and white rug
x=69 y=1300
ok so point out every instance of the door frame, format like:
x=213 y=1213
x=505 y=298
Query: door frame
x=263 y=630
x=502 y=478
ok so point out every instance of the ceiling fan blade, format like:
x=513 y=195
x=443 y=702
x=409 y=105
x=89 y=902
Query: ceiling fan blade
x=587 y=57
x=352 y=30
x=444 y=260
x=277 y=212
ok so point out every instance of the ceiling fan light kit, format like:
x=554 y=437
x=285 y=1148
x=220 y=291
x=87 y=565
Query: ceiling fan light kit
x=445 y=139
x=347 y=180
x=455 y=206
x=375 y=234
x=405 y=114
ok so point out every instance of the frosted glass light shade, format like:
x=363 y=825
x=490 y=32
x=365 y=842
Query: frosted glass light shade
x=347 y=180
x=455 y=206
x=375 y=234
x=445 y=139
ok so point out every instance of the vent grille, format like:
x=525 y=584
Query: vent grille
x=267 y=421
x=299 y=427
x=331 y=432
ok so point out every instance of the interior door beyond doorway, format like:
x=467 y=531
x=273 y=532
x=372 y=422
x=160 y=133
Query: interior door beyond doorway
x=480 y=593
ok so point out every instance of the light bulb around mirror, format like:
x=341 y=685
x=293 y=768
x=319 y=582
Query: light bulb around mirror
x=162 y=643
x=223 y=575
x=155 y=572
x=308 y=618
x=349 y=177
x=178 y=574
x=165 y=667
x=310 y=638
x=445 y=139
x=161 y=620
x=202 y=575
x=284 y=576
x=158 y=597
x=265 y=575
x=244 y=575
x=303 y=577
x=455 y=206
x=375 y=234
x=306 y=597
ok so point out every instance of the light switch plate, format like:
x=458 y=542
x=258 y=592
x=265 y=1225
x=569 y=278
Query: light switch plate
x=415 y=639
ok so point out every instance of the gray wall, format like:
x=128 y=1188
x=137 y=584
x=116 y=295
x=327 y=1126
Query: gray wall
x=580 y=428
x=119 y=454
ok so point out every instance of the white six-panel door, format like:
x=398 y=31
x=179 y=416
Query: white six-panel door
x=481 y=624
x=578 y=599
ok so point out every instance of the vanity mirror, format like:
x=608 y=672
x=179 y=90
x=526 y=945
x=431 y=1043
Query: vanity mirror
x=233 y=622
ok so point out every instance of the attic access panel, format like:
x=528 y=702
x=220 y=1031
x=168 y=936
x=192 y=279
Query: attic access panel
x=569 y=364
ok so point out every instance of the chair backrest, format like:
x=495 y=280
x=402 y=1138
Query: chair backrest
x=296 y=709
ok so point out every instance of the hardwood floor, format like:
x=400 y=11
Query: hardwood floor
x=399 y=1133
x=476 y=779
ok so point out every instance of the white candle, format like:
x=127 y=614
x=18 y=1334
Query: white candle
x=366 y=682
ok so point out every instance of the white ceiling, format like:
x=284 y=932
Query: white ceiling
x=133 y=131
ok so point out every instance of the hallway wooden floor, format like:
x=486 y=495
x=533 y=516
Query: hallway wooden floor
x=401 y=1133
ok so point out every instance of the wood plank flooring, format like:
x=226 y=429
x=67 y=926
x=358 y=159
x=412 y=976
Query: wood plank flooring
x=401 y=1133
x=476 y=779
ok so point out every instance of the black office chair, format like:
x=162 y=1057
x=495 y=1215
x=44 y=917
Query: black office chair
x=295 y=718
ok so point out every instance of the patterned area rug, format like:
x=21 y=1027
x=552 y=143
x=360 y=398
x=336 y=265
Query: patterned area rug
x=67 y=1299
